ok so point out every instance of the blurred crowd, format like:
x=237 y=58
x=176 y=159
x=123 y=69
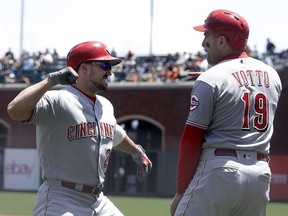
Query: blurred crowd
x=167 y=68
x=177 y=67
x=27 y=68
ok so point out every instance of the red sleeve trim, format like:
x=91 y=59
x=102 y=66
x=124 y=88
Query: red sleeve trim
x=189 y=156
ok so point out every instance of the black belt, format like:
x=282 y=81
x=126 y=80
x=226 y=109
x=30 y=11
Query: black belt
x=94 y=190
x=233 y=153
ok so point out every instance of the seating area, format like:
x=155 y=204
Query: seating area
x=158 y=69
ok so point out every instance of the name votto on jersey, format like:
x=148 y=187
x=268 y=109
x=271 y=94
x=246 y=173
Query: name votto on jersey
x=252 y=77
x=90 y=129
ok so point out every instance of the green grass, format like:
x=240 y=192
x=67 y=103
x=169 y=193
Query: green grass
x=21 y=203
x=17 y=203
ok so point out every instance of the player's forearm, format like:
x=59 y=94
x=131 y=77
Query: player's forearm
x=20 y=109
x=127 y=146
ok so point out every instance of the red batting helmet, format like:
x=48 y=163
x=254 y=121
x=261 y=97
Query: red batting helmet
x=229 y=24
x=89 y=51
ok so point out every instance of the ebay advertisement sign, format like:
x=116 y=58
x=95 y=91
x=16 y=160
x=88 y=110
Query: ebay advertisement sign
x=21 y=169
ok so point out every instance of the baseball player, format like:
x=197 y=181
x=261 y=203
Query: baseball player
x=76 y=132
x=223 y=159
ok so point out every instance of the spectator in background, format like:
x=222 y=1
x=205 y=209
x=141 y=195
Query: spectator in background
x=9 y=54
x=7 y=75
x=55 y=55
x=284 y=54
x=130 y=56
x=47 y=58
x=270 y=47
x=113 y=52
x=44 y=60
x=255 y=53
x=28 y=62
x=268 y=60
x=8 y=60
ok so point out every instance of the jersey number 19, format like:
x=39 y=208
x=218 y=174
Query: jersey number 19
x=260 y=119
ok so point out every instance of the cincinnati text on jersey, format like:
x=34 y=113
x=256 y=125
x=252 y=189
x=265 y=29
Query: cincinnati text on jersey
x=90 y=129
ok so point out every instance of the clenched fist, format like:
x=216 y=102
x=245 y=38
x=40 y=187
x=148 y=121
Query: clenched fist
x=66 y=76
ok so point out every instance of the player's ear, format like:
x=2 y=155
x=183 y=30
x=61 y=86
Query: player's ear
x=222 y=40
x=83 y=67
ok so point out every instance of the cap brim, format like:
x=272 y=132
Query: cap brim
x=112 y=60
x=200 y=28
x=115 y=61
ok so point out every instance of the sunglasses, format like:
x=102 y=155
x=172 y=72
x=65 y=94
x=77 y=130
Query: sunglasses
x=105 y=65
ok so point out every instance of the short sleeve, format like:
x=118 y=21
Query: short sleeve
x=201 y=105
x=119 y=135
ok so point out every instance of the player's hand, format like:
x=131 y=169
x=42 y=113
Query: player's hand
x=175 y=203
x=144 y=164
x=66 y=76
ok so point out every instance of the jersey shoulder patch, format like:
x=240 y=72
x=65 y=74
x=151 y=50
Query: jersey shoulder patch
x=194 y=102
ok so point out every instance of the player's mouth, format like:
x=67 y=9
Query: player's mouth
x=105 y=77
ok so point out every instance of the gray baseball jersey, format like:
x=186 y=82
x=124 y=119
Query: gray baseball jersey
x=252 y=90
x=234 y=101
x=75 y=136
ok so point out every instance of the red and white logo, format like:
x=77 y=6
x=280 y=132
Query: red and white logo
x=194 y=102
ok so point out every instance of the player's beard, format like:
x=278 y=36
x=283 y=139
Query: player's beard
x=100 y=87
